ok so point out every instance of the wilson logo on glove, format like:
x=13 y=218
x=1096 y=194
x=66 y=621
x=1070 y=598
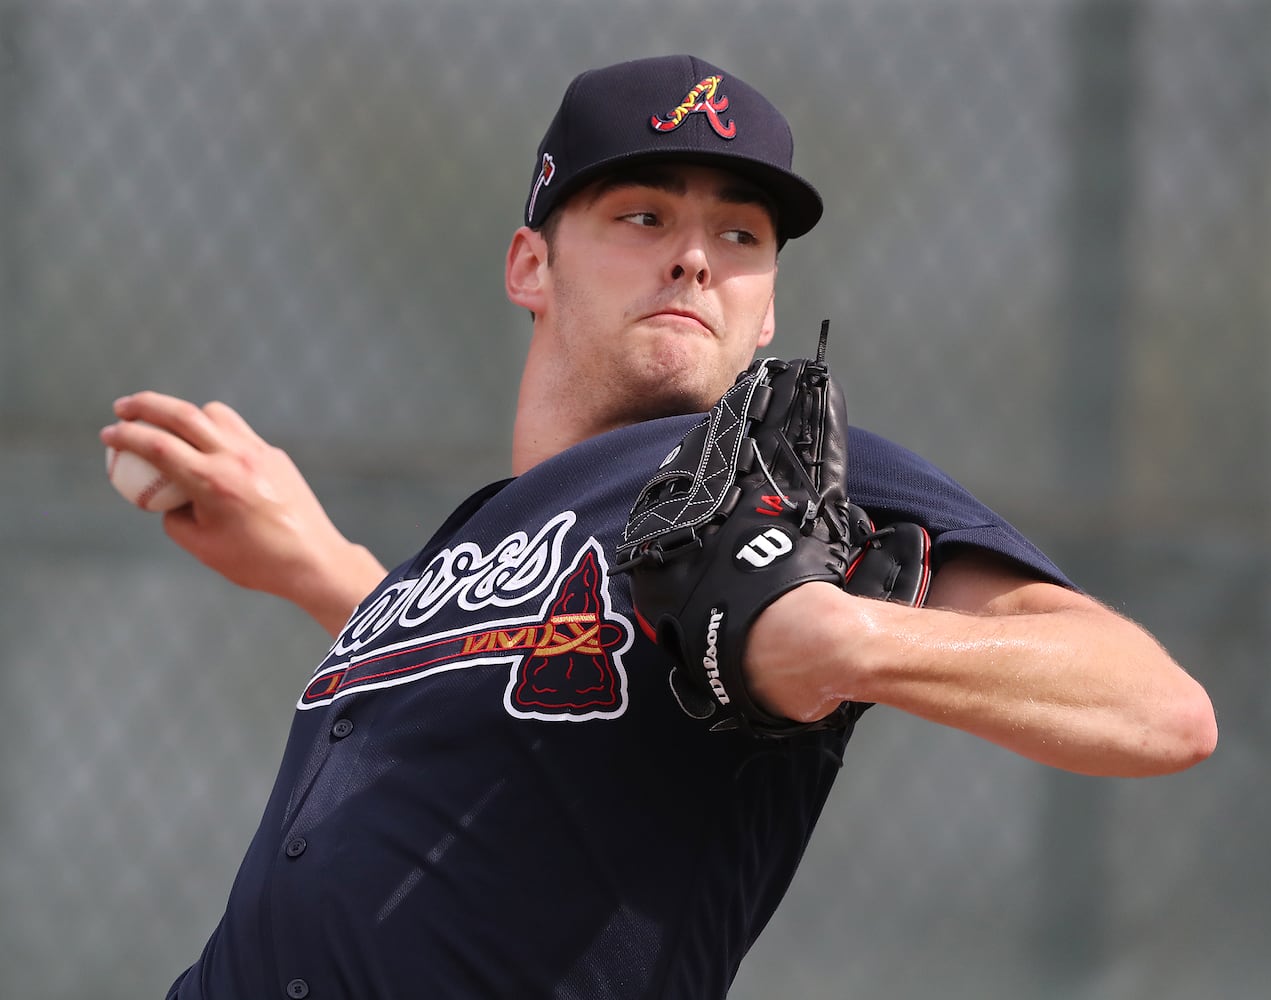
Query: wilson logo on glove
x=765 y=548
x=710 y=662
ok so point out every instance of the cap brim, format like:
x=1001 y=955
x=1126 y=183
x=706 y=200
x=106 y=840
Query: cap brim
x=798 y=204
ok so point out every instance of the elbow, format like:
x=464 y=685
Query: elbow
x=1194 y=731
x=1203 y=728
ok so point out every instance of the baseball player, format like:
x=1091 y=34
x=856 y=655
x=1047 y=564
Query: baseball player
x=503 y=779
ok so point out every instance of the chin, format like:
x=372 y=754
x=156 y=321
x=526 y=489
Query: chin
x=680 y=379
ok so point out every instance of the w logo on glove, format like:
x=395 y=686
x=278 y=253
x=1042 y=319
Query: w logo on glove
x=764 y=549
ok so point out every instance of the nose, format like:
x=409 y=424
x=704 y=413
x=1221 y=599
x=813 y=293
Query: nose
x=691 y=260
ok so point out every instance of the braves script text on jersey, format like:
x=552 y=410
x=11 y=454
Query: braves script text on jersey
x=491 y=789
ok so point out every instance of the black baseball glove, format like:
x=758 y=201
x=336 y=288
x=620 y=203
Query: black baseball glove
x=751 y=504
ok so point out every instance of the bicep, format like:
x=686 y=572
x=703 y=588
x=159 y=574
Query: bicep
x=983 y=583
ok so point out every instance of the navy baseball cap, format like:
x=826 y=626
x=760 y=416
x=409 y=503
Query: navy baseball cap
x=669 y=108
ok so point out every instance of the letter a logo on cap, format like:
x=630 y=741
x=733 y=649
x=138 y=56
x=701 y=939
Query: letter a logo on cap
x=706 y=99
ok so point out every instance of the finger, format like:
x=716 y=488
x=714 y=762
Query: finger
x=228 y=419
x=177 y=416
x=174 y=457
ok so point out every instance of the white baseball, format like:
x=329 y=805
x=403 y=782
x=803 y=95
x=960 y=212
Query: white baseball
x=141 y=483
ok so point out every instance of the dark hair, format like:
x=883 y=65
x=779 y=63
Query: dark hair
x=548 y=231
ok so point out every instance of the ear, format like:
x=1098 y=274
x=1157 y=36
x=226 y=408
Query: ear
x=525 y=270
x=769 y=327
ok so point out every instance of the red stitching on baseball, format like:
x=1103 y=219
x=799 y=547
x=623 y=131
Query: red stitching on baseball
x=152 y=487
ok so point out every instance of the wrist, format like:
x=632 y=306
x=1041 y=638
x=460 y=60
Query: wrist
x=335 y=584
x=803 y=657
x=853 y=642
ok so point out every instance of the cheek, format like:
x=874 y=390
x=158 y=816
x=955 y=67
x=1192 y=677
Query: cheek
x=748 y=308
x=576 y=305
x=586 y=285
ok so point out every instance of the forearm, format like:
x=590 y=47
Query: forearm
x=290 y=550
x=334 y=585
x=1074 y=687
x=1078 y=689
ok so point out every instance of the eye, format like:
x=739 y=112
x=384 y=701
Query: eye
x=640 y=218
x=742 y=237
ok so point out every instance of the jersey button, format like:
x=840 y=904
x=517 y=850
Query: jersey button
x=342 y=728
x=296 y=847
x=297 y=989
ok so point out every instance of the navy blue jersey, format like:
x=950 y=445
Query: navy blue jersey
x=490 y=788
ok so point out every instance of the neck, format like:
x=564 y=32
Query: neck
x=537 y=435
x=548 y=420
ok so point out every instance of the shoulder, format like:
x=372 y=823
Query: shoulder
x=894 y=483
x=888 y=476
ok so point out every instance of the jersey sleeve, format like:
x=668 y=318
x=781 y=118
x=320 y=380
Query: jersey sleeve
x=894 y=484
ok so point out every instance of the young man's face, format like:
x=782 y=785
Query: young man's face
x=660 y=288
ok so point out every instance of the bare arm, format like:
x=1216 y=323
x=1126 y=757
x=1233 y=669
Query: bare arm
x=1035 y=668
x=253 y=517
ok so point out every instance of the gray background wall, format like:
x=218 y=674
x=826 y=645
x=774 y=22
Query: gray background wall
x=1047 y=257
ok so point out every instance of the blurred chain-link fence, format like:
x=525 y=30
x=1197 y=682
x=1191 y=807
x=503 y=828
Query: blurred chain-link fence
x=1047 y=243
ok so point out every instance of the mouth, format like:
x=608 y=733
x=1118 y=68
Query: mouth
x=686 y=319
